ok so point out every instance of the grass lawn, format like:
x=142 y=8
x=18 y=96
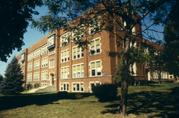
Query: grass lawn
x=144 y=102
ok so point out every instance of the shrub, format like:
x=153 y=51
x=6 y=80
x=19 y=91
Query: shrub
x=105 y=92
x=29 y=86
x=36 y=85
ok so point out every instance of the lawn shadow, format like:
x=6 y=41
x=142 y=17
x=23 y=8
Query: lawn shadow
x=10 y=102
x=156 y=104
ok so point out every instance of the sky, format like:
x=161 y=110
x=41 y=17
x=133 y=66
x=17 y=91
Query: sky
x=30 y=37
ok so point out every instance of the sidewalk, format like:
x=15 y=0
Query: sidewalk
x=36 y=89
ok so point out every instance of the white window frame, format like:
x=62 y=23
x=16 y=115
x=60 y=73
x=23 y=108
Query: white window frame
x=37 y=64
x=44 y=75
x=65 y=55
x=95 y=48
x=81 y=72
x=29 y=66
x=96 y=69
x=77 y=53
x=65 y=86
x=51 y=63
x=36 y=76
x=67 y=72
x=81 y=88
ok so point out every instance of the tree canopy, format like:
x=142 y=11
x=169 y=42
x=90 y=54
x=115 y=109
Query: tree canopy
x=15 y=17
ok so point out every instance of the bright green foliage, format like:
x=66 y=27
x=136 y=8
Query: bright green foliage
x=13 y=80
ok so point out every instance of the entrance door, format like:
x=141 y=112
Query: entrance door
x=52 y=79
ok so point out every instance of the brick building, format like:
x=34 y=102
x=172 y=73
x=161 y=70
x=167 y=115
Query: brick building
x=56 y=61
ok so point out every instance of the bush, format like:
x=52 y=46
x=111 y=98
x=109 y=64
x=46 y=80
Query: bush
x=29 y=86
x=105 y=92
x=36 y=85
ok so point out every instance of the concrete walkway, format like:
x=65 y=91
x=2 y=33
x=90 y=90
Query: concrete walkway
x=36 y=89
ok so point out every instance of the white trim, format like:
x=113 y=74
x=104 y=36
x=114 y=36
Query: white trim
x=79 y=86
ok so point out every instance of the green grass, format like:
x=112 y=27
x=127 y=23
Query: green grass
x=144 y=101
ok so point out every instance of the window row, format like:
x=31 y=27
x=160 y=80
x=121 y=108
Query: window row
x=77 y=52
x=36 y=76
x=95 y=69
x=44 y=64
x=77 y=86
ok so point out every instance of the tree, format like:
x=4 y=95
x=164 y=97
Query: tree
x=13 y=80
x=117 y=16
x=171 y=37
x=15 y=17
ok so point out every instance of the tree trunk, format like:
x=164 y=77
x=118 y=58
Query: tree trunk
x=124 y=92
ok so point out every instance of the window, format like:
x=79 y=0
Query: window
x=78 y=71
x=44 y=63
x=133 y=69
x=95 y=68
x=44 y=75
x=36 y=75
x=65 y=72
x=78 y=87
x=36 y=53
x=65 y=55
x=44 y=50
x=36 y=64
x=51 y=42
x=64 y=39
x=64 y=86
x=134 y=31
x=30 y=56
x=29 y=77
x=77 y=52
x=51 y=63
x=95 y=46
x=29 y=66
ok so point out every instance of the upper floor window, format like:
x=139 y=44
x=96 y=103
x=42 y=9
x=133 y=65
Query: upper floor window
x=44 y=50
x=65 y=72
x=64 y=39
x=36 y=75
x=30 y=56
x=95 y=46
x=51 y=63
x=78 y=71
x=95 y=68
x=44 y=75
x=44 y=63
x=36 y=53
x=77 y=52
x=51 y=42
x=29 y=66
x=133 y=69
x=36 y=64
x=65 y=55
x=29 y=77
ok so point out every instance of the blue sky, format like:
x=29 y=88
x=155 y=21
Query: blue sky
x=30 y=37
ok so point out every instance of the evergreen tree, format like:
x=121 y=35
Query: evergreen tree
x=13 y=80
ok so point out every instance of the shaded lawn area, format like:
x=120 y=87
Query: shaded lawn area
x=144 y=101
